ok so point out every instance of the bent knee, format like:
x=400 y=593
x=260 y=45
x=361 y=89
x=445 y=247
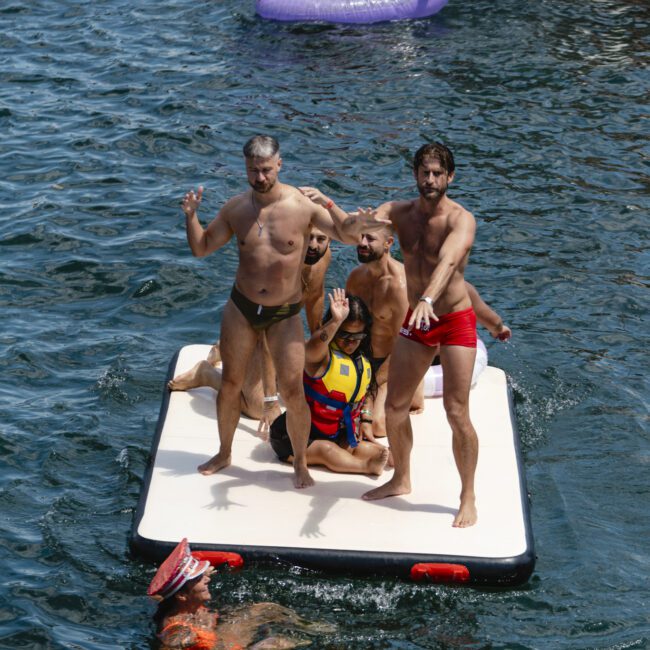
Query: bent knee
x=293 y=392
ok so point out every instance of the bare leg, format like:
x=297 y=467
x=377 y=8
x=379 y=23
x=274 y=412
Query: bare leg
x=409 y=362
x=375 y=454
x=202 y=374
x=417 y=403
x=287 y=347
x=214 y=356
x=252 y=395
x=457 y=366
x=237 y=344
x=379 y=412
x=337 y=459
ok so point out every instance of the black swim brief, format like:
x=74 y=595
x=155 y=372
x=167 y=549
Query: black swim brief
x=260 y=316
x=281 y=443
x=375 y=363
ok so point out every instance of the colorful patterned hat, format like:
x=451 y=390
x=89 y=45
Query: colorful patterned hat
x=175 y=571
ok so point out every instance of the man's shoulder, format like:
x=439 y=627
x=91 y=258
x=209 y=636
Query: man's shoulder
x=459 y=213
x=293 y=194
x=394 y=208
x=358 y=273
x=357 y=281
x=237 y=203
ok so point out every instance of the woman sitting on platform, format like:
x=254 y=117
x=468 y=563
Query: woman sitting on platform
x=337 y=378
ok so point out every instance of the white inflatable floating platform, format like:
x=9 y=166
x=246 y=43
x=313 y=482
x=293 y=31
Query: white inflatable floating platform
x=252 y=509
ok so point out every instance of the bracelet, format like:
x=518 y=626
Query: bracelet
x=329 y=204
x=271 y=398
x=366 y=421
x=366 y=412
x=426 y=299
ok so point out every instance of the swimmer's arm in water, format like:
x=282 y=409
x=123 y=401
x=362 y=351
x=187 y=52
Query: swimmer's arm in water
x=202 y=241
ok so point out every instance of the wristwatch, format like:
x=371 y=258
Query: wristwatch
x=426 y=299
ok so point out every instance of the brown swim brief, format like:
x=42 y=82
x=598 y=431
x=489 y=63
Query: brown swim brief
x=260 y=316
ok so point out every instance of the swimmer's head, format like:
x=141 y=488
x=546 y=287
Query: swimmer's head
x=180 y=573
x=318 y=244
x=263 y=162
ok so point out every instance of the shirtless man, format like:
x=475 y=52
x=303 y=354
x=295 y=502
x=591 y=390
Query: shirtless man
x=252 y=404
x=380 y=282
x=271 y=224
x=436 y=235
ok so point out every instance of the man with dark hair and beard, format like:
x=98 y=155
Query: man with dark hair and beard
x=317 y=261
x=436 y=235
x=380 y=282
x=271 y=224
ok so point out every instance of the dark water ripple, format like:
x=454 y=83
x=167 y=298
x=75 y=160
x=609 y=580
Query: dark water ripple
x=110 y=110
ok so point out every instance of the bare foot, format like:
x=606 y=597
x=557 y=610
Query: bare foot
x=377 y=462
x=391 y=489
x=214 y=356
x=302 y=477
x=199 y=375
x=213 y=465
x=467 y=515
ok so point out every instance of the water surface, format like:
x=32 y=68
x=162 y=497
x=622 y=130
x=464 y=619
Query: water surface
x=109 y=111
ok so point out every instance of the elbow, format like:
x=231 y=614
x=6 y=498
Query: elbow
x=197 y=250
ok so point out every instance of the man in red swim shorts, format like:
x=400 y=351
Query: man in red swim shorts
x=435 y=235
x=456 y=328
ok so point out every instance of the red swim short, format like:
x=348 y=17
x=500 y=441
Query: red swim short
x=456 y=328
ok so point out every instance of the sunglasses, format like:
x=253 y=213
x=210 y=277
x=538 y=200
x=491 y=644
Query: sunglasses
x=350 y=336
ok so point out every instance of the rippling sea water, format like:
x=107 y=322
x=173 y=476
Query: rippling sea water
x=110 y=110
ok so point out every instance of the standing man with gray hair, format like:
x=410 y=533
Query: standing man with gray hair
x=271 y=223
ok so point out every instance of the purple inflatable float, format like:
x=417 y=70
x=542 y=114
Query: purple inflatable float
x=347 y=11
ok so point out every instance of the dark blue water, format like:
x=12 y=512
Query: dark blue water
x=110 y=110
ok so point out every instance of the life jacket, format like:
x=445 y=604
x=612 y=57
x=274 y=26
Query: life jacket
x=335 y=398
x=204 y=639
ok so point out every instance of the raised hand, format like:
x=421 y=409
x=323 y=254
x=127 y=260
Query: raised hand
x=339 y=305
x=191 y=201
x=364 y=220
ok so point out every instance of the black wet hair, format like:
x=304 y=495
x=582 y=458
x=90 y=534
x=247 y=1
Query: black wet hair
x=436 y=150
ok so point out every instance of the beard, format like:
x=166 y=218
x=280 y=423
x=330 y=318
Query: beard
x=311 y=257
x=367 y=255
x=430 y=193
x=263 y=188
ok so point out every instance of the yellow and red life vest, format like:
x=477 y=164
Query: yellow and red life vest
x=335 y=398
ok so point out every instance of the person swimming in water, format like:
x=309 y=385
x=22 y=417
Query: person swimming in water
x=184 y=620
